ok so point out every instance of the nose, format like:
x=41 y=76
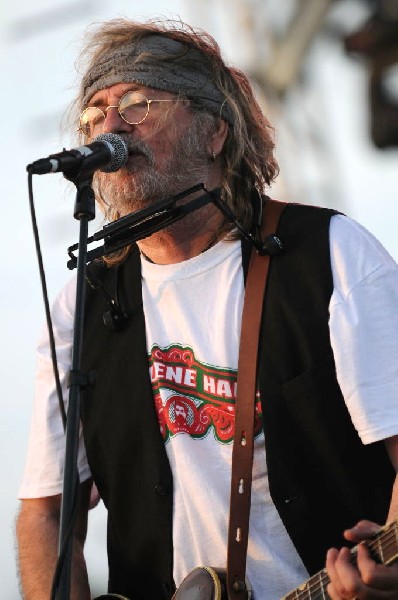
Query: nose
x=114 y=123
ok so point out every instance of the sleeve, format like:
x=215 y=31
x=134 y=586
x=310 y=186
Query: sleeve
x=364 y=328
x=43 y=474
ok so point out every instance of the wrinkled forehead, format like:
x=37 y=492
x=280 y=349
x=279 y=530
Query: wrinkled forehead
x=153 y=62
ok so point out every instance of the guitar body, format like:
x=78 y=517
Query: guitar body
x=206 y=583
x=203 y=583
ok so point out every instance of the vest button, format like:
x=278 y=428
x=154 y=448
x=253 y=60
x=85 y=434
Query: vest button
x=161 y=489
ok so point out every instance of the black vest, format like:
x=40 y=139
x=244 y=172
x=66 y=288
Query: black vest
x=322 y=479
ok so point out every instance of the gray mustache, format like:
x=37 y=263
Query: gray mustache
x=138 y=147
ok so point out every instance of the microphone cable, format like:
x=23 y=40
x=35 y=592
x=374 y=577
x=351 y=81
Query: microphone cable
x=43 y=284
x=73 y=517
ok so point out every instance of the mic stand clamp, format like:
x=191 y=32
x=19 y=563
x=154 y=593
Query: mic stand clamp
x=145 y=222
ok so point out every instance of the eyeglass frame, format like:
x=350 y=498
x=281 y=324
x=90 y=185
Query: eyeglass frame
x=104 y=112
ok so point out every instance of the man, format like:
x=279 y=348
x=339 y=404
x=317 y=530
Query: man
x=330 y=307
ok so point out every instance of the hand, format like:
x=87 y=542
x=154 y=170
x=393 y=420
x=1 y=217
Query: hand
x=365 y=580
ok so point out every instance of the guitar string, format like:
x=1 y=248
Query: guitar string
x=318 y=582
x=385 y=543
x=311 y=589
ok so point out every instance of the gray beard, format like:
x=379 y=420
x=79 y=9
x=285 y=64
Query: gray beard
x=127 y=191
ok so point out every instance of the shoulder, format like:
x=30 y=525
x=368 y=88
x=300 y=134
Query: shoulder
x=349 y=236
x=65 y=300
x=357 y=256
x=307 y=213
x=306 y=226
x=62 y=316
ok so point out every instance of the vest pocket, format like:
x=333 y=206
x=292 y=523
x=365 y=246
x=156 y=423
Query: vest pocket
x=313 y=380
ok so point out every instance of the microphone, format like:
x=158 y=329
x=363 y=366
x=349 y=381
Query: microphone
x=108 y=152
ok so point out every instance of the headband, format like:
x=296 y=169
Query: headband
x=153 y=61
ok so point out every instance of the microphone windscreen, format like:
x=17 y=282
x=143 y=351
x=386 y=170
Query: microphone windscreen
x=118 y=148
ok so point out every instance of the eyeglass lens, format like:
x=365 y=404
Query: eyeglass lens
x=133 y=108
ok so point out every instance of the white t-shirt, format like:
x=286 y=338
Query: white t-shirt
x=193 y=315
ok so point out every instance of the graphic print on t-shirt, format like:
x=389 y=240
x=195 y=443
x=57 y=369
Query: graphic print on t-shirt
x=192 y=397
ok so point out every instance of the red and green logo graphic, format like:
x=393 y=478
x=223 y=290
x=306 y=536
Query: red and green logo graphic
x=193 y=397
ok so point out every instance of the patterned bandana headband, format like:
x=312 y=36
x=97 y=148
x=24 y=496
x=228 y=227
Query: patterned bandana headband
x=153 y=61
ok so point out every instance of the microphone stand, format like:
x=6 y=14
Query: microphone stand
x=84 y=211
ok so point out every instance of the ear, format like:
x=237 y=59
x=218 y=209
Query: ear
x=217 y=139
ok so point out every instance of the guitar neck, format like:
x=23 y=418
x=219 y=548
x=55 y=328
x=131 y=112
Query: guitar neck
x=383 y=548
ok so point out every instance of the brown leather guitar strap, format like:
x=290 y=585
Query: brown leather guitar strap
x=242 y=454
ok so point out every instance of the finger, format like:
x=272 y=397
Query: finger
x=366 y=566
x=345 y=581
x=335 y=583
x=376 y=576
x=362 y=531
